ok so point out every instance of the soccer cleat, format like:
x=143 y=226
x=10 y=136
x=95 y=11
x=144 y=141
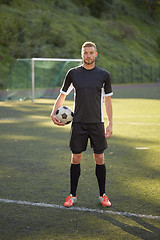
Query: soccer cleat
x=104 y=200
x=70 y=201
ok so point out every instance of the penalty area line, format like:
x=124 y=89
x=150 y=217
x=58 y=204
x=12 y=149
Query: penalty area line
x=82 y=209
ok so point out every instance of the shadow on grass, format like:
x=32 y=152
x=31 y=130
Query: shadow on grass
x=137 y=227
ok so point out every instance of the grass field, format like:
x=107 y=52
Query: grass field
x=34 y=167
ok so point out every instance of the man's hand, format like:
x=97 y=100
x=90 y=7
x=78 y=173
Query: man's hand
x=59 y=102
x=56 y=121
x=108 y=131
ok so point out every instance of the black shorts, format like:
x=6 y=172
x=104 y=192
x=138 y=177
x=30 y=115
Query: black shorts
x=81 y=132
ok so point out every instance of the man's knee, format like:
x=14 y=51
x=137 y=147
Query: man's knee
x=76 y=158
x=99 y=158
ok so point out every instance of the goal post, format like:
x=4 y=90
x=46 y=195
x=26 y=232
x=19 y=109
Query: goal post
x=33 y=60
x=32 y=78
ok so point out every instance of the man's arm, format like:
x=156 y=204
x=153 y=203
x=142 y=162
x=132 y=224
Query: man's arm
x=108 y=106
x=59 y=102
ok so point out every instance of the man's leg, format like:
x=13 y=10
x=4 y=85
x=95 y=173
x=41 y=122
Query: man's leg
x=74 y=177
x=75 y=172
x=100 y=172
x=101 y=177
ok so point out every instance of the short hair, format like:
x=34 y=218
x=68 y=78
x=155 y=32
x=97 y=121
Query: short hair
x=89 y=44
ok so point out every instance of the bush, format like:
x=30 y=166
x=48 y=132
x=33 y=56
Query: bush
x=96 y=7
x=1 y=86
x=158 y=42
x=121 y=30
x=8 y=2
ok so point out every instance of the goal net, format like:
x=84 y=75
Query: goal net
x=38 y=77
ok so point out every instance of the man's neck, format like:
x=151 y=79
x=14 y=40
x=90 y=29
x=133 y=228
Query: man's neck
x=88 y=66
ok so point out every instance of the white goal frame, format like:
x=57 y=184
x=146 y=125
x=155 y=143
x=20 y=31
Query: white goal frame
x=46 y=59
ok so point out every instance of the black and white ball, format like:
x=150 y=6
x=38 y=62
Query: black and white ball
x=64 y=114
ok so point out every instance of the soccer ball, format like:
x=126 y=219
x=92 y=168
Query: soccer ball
x=64 y=114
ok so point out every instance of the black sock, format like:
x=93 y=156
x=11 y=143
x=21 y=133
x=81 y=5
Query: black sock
x=101 y=177
x=74 y=177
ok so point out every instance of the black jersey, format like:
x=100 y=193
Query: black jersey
x=90 y=87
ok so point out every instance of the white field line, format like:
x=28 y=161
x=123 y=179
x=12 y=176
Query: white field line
x=139 y=116
x=27 y=119
x=137 y=123
x=82 y=209
x=142 y=148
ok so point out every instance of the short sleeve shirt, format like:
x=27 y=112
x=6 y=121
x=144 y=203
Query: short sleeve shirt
x=90 y=86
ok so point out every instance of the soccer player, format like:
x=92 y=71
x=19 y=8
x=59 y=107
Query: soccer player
x=91 y=85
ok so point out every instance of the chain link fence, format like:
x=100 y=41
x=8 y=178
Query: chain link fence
x=49 y=77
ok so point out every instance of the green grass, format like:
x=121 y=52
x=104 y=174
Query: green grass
x=35 y=162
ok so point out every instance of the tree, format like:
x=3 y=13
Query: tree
x=152 y=5
x=96 y=7
x=8 y=2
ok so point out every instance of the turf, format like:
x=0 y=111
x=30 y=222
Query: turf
x=35 y=162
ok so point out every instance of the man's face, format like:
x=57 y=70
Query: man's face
x=89 y=55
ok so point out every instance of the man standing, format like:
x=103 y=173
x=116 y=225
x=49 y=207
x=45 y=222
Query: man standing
x=91 y=85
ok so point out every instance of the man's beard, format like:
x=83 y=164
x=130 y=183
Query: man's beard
x=89 y=63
